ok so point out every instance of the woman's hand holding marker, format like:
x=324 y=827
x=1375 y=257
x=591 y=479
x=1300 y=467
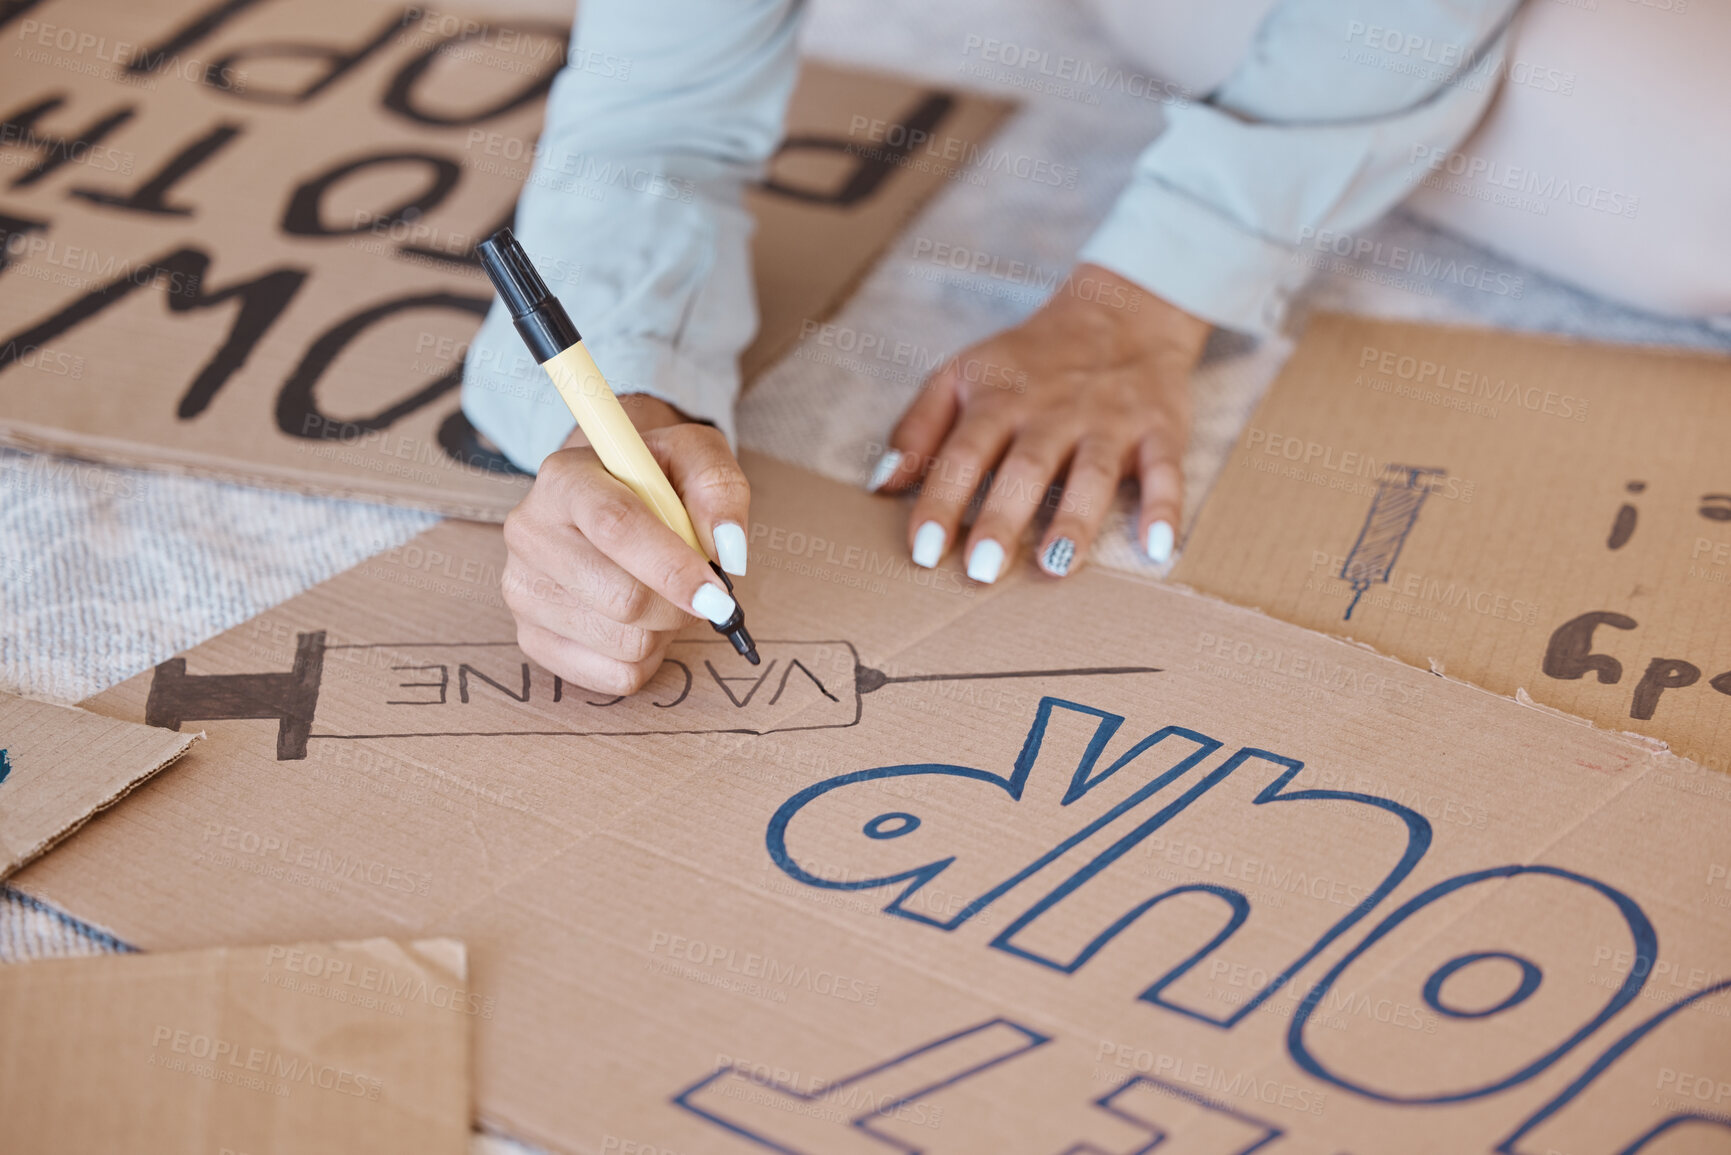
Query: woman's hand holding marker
x=1091 y=388
x=597 y=584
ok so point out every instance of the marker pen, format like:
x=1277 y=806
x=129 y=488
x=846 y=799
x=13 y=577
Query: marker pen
x=554 y=341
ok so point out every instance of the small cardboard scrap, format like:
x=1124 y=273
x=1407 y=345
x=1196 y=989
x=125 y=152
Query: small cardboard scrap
x=237 y=239
x=308 y=1048
x=1527 y=513
x=1036 y=867
x=59 y=765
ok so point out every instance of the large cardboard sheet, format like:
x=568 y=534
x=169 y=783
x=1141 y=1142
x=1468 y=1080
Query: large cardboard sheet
x=237 y=237
x=1527 y=513
x=294 y=1049
x=1040 y=867
x=59 y=765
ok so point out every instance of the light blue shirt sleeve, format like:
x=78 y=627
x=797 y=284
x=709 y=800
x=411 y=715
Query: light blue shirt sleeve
x=668 y=108
x=633 y=211
x=1336 y=110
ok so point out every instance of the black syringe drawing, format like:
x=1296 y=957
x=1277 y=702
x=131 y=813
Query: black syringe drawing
x=479 y=689
x=1393 y=512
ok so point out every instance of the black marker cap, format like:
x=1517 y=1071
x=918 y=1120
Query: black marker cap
x=540 y=319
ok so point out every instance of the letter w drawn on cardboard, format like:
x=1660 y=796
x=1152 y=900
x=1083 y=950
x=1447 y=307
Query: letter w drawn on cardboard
x=237 y=238
x=1256 y=890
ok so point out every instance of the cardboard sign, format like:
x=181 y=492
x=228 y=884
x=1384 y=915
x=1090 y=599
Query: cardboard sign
x=314 y=1047
x=1527 y=513
x=60 y=765
x=231 y=245
x=1037 y=867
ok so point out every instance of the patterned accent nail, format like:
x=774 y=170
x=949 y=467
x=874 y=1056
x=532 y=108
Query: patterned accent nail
x=1058 y=555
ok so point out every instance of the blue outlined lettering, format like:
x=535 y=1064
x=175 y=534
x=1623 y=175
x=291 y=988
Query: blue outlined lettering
x=1531 y=977
x=775 y=1114
x=1645 y=943
x=1559 y=1115
x=1417 y=837
x=1139 y=1101
x=916 y=860
x=724 y=1097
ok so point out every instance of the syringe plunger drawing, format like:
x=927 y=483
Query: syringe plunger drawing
x=1393 y=512
x=477 y=689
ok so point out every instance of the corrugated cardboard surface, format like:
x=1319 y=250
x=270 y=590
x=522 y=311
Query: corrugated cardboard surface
x=1569 y=479
x=337 y=372
x=312 y=1047
x=59 y=765
x=1281 y=891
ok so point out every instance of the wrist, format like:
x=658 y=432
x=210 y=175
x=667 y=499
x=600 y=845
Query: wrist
x=1099 y=298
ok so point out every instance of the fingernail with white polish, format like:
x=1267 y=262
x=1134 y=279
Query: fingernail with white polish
x=884 y=470
x=712 y=602
x=985 y=562
x=730 y=548
x=1058 y=555
x=929 y=545
x=1160 y=542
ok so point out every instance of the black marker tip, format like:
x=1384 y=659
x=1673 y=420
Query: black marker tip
x=733 y=629
x=743 y=643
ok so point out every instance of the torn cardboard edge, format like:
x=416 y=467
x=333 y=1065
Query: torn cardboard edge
x=55 y=782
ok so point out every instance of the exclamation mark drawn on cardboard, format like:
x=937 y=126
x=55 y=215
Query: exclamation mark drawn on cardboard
x=1393 y=512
